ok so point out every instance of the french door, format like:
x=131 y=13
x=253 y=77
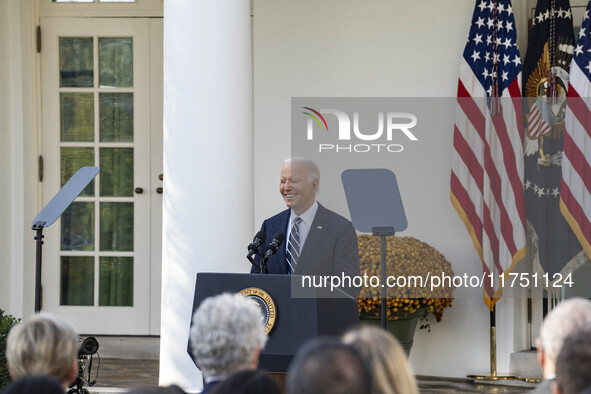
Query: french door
x=101 y=106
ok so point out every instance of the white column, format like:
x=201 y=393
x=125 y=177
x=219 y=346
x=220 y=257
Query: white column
x=208 y=161
x=18 y=198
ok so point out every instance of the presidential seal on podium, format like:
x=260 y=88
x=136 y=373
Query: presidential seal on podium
x=265 y=302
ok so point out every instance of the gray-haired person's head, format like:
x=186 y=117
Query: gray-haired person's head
x=312 y=170
x=227 y=335
x=569 y=317
x=43 y=345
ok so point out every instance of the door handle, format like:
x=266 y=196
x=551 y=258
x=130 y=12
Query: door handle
x=159 y=190
x=139 y=190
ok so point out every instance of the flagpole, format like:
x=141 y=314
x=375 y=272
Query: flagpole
x=493 y=352
x=493 y=343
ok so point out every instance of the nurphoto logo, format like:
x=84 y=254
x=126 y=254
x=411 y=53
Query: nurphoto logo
x=390 y=126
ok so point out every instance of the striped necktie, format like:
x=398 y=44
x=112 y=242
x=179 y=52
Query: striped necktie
x=293 y=245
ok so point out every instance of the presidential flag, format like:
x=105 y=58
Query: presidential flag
x=487 y=163
x=545 y=84
x=575 y=187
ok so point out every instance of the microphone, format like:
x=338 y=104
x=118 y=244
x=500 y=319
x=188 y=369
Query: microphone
x=274 y=245
x=256 y=242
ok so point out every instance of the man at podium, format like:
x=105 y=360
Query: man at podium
x=318 y=241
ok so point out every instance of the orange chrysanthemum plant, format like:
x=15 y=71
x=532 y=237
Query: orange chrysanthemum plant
x=407 y=259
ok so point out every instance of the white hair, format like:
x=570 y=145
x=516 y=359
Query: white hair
x=568 y=318
x=43 y=345
x=312 y=169
x=227 y=331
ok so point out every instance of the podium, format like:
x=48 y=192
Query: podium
x=296 y=319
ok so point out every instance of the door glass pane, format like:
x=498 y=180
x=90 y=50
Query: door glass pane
x=116 y=117
x=77 y=280
x=76 y=62
x=72 y=159
x=116 y=172
x=116 y=223
x=76 y=117
x=116 y=281
x=78 y=227
x=115 y=62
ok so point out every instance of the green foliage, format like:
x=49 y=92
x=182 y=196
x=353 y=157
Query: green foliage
x=6 y=323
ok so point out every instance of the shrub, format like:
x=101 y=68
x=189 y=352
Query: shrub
x=6 y=323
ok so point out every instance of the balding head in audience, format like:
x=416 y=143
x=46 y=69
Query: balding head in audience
x=328 y=366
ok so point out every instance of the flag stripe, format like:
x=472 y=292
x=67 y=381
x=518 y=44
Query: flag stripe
x=575 y=210
x=537 y=124
x=576 y=188
x=474 y=115
x=491 y=239
x=469 y=158
x=512 y=147
x=582 y=114
x=489 y=290
x=573 y=158
x=469 y=210
x=516 y=185
x=500 y=215
x=575 y=185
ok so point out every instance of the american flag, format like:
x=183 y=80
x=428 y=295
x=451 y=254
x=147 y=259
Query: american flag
x=487 y=163
x=575 y=185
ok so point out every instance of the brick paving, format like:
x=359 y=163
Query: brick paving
x=124 y=374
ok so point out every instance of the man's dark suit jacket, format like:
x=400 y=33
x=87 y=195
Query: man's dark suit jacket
x=208 y=387
x=329 y=249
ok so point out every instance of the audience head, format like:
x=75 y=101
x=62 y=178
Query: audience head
x=174 y=389
x=569 y=317
x=328 y=366
x=43 y=345
x=385 y=358
x=227 y=335
x=573 y=364
x=35 y=385
x=248 y=382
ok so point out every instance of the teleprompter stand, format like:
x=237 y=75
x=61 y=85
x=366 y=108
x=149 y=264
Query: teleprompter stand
x=376 y=207
x=52 y=211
